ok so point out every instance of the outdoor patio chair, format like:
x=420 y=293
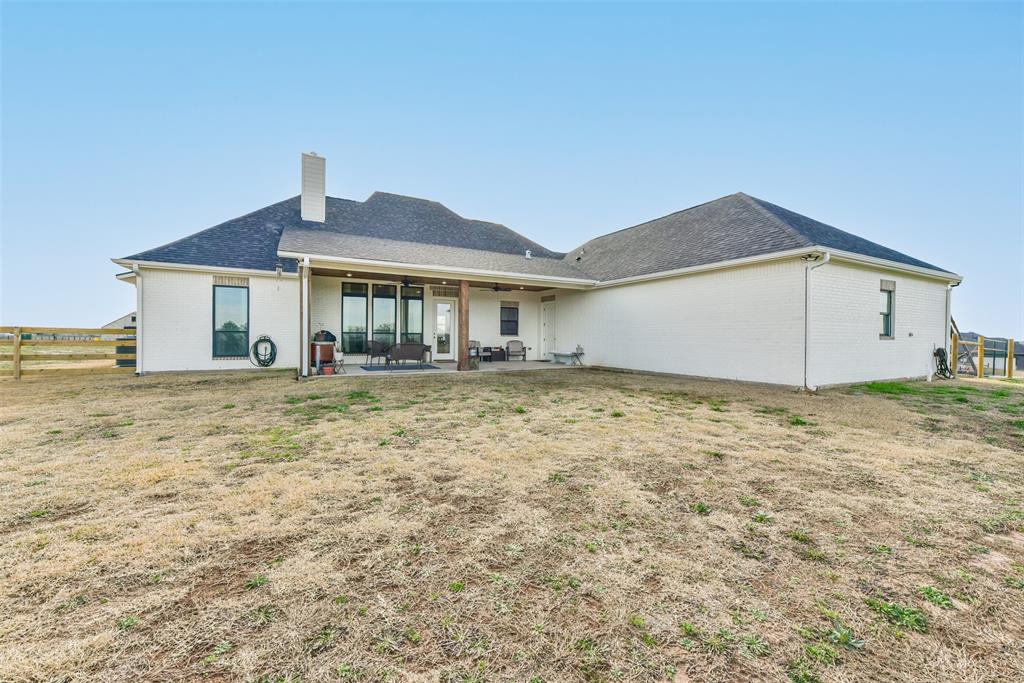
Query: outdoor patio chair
x=515 y=348
x=406 y=351
x=376 y=349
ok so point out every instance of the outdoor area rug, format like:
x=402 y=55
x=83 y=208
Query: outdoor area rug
x=409 y=366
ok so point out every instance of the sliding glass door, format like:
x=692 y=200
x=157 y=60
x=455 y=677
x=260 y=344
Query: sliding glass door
x=412 y=314
x=353 y=317
x=385 y=313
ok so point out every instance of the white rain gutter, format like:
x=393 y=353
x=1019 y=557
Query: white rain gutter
x=807 y=312
x=139 y=317
x=304 y=312
x=363 y=264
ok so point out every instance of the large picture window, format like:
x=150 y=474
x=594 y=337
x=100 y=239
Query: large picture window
x=230 y=322
x=385 y=313
x=353 y=317
x=412 y=314
x=887 y=301
x=509 y=318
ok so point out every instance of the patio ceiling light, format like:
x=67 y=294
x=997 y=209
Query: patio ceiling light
x=348 y=274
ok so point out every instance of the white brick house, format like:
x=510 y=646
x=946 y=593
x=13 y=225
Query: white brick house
x=736 y=288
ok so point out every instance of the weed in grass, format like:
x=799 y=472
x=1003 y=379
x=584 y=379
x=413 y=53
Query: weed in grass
x=844 y=636
x=557 y=477
x=127 y=622
x=384 y=442
x=906 y=617
x=264 y=615
x=717 y=455
x=457 y=586
x=219 y=650
x=227 y=406
x=398 y=432
x=747 y=551
x=797 y=421
x=880 y=550
x=763 y=518
x=768 y=410
x=749 y=501
x=39 y=513
x=256 y=581
x=1014 y=582
x=519 y=409
x=799 y=535
x=72 y=604
x=689 y=629
x=618 y=413
x=822 y=654
x=936 y=597
x=701 y=508
x=321 y=641
x=55 y=431
x=815 y=555
x=754 y=646
x=637 y=621
x=719 y=642
x=341 y=600
x=801 y=671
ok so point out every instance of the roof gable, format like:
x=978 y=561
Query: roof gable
x=733 y=227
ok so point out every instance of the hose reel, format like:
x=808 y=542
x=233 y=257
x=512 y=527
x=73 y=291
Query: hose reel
x=263 y=352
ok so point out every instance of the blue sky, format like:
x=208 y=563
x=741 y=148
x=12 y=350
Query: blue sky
x=126 y=126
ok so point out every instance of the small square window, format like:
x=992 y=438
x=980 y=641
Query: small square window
x=509 y=319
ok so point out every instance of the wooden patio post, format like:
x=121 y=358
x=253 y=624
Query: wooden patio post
x=17 y=353
x=463 y=325
x=981 y=356
x=1009 y=359
x=954 y=355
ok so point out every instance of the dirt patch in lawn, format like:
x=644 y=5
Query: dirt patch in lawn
x=535 y=526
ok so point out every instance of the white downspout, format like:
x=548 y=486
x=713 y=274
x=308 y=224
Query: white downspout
x=138 y=319
x=304 y=319
x=807 y=314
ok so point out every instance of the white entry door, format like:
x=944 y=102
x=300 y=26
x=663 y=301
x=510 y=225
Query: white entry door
x=444 y=329
x=547 y=329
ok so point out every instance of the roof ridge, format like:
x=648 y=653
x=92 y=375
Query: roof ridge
x=481 y=221
x=756 y=203
x=652 y=220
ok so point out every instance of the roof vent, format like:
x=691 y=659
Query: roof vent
x=314 y=188
x=528 y=254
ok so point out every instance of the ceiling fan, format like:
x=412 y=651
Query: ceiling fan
x=406 y=282
x=496 y=288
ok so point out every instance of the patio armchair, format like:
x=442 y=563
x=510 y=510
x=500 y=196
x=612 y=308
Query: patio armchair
x=515 y=348
x=375 y=349
x=406 y=351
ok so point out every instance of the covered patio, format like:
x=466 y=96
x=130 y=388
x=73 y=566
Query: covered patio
x=395 y=307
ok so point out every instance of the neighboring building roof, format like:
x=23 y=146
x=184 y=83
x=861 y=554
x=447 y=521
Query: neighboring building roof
x=400 y=229
x=733 y=227
x=122 y=321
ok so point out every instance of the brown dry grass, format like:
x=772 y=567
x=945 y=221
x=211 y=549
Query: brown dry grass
x=420 y=528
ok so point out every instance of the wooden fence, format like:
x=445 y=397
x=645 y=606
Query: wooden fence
x=982 y=357
x=58 y=346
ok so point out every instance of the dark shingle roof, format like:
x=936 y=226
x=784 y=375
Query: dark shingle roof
x=396 y=228
x=391 y=227
x=249 y=241
x=733 y=227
